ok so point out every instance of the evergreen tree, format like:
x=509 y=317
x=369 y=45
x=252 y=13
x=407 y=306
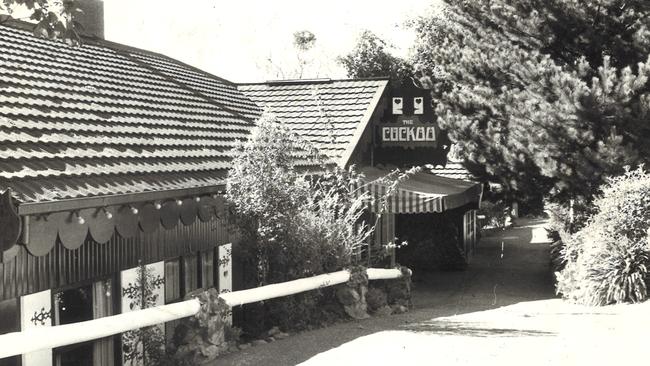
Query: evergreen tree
x=524 y=111
x=371 y=58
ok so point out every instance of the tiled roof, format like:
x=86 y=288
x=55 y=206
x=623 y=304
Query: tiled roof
x=327 y=113
x=453 y=169
x=104 y=119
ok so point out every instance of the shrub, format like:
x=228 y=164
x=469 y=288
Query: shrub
x=495 y=213
x=607 y=260
x=291 y=224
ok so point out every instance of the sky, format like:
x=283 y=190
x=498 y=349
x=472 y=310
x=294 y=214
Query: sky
x=234 y=39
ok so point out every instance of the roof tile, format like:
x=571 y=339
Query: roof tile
x=105 y=119
x=326 y=113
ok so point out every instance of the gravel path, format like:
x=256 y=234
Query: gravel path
x=509 y=267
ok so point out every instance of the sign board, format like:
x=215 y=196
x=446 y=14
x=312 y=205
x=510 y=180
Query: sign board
x=408 y=120
x=408 y=131
x=35 y=312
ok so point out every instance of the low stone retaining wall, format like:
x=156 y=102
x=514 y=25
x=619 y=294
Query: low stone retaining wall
x=206 y=335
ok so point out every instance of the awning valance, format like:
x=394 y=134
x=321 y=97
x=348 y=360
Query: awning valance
x=420 y=193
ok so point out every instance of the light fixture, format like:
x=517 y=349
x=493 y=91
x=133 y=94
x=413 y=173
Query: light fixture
x=134 y=210
x=179 y=202
x=197 y=199
x=108 y=214
x=80 y=219
x=157 y=205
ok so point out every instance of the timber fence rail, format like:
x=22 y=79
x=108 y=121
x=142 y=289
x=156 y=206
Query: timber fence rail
x=17 y=343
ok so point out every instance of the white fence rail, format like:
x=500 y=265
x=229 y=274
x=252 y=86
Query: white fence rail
x=27 y=341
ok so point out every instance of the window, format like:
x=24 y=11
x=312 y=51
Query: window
x=10 y=322
x=172 y=281
x=207 y=269
x=72 y=306
x=190 y=273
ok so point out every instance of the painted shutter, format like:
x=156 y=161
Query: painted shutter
x=225 y=269
x=36 y=311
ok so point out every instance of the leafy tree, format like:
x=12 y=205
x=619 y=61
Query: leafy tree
x=537 y=122
x=54 y=18
x=370 y=58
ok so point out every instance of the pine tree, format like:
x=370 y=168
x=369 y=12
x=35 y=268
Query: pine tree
x=527 y=111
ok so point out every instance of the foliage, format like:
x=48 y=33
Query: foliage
x=303 y=59
x=370 y=58
x=496 y=213
x=54 y=18
x=530 y=105
x=607 y=260
x=293 y=224
x=304 y=40
x=298 y=216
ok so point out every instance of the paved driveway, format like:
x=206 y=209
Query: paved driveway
x=510 y=267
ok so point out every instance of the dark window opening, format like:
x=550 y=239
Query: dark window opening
x=72 y=306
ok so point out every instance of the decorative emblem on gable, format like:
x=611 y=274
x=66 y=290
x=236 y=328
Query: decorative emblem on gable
x=409 y=120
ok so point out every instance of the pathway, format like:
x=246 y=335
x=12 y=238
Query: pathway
x=509 y=267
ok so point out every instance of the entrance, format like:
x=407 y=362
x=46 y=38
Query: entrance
x=434 y=242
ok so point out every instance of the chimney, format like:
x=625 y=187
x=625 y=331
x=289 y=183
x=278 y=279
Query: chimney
x=90 y=18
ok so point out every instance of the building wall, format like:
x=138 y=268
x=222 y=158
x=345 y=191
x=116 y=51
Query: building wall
x=25 y=273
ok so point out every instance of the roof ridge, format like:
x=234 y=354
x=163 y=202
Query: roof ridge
x=27 y=26
x=181 y=84
x=312 y=81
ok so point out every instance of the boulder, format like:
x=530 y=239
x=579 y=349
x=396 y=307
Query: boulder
x=347 y=295
x=383 y=311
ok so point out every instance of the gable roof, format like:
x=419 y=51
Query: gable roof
x=107 y=119
x=330 y=114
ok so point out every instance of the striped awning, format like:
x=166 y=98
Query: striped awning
x=419 y=193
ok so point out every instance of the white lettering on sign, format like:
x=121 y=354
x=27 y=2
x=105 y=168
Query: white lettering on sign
x=405 y=134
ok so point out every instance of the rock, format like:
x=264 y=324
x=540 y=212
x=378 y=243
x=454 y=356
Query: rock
x=210 y=352
x=383 y=311
x=244 y=346
x=281 y=335
x=347 y=295
x=399 y=309
x=218 y=337
x=233 y=348
x=259 y=342
x=357 y=311
x=273 y=331
x=270 y=339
